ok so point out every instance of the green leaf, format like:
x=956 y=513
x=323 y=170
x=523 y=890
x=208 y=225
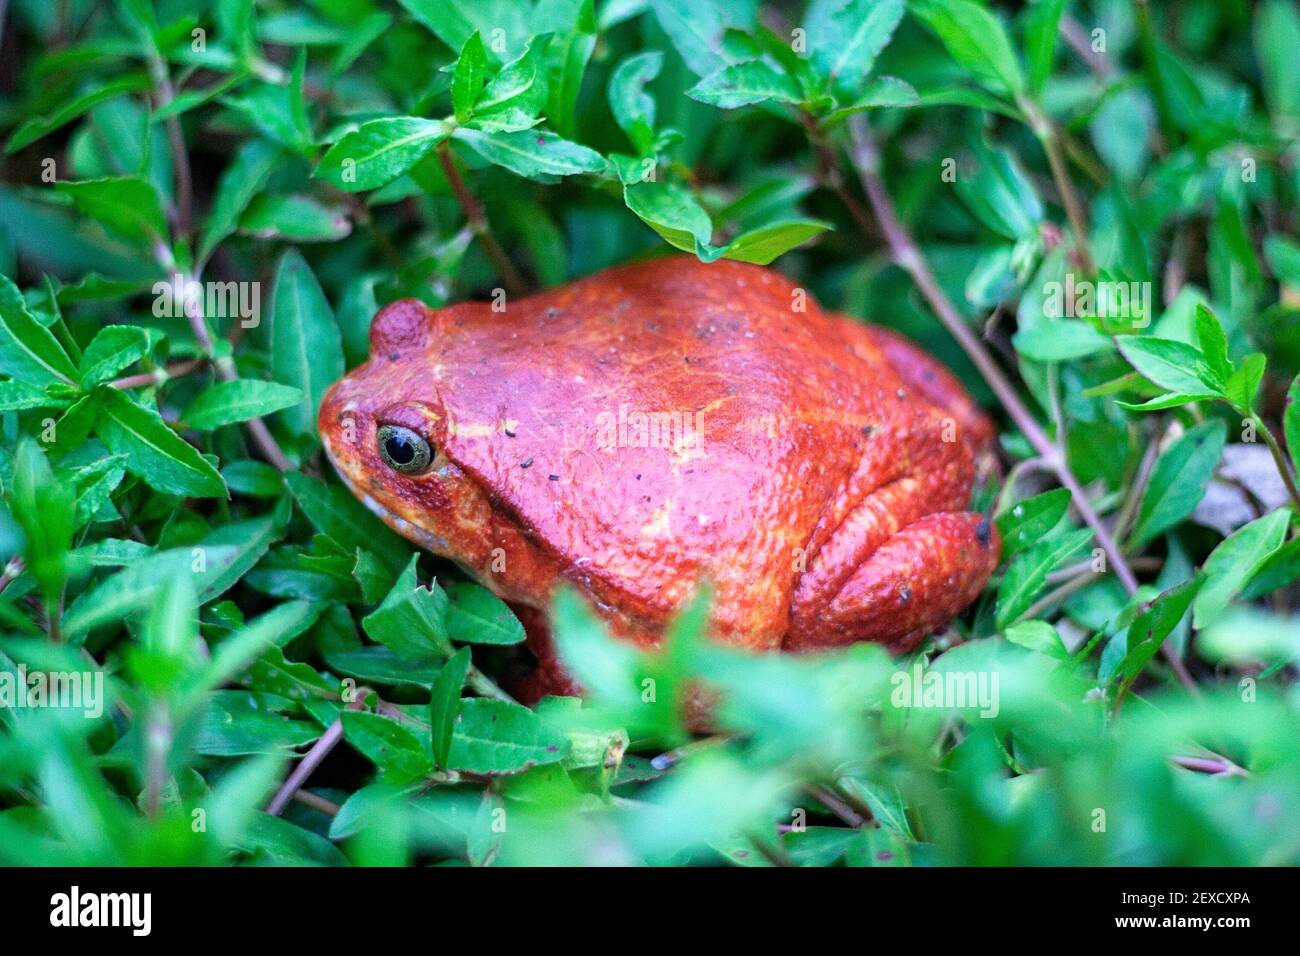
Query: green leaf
x=744 y=83
x=1243 y=384
x=19 y=396
x=468 y=77
x=347 y=521
x=1178 y=481
x=388 y=745
x=306 y=346
x=632 y=106
x=294 y=218
x=1060 y=340
x=36 y=127
x=672 y=212
x=136 y=585
x=44 y=509
x=237 y=401
x=1038 y=636
x=154 y=452
x=494 y=736
x=976 y=39
x=1028 y=573
x=1283 y=255
x=1150 y=628
x=243 y=179
x=412 y=621
x=379 y=151
x=532 y=153
x=277 y=626
x=444 y=703
x=766 y=243
x=113 y=349
x=696 y=29
x=1174 y=400
x=29 y=351
x=846 y=47
x=128 y=206
x=477 y=616
x=1231 y=565
x=1042 y=26
x=516 y=95
x=1027 y=522
x=1277 y=37
x=999 y=193
x=885 y=92
x=1213 y=343
x=1168 y=363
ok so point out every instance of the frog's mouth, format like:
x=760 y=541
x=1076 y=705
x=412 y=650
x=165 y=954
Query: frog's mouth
x=407 y=529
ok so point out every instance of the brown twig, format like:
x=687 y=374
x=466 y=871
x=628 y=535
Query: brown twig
x=906 y=253
x=184 y=191
x=478 y=223
x=1077 y=38
x=158 y=376
x=1047 y=135
x=306 y=767
x=307 y=798
x=261 y=435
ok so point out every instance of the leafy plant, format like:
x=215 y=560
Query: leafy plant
x=1095 y=203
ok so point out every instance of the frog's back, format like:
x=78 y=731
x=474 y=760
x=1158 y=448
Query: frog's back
x=664 y=420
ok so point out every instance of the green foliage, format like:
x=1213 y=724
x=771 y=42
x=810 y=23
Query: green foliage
x=1110 y=198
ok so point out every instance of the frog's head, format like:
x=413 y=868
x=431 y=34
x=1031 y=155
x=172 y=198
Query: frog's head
x=383 y=427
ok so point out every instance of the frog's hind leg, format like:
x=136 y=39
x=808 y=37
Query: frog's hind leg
x=918 y=579
x=933 y=382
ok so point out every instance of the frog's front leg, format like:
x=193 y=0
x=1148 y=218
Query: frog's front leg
x=920 y=577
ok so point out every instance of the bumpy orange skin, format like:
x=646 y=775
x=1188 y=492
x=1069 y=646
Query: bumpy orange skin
x=823 y=495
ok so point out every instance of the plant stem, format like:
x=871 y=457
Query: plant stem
x=176 y=141
x=306 y=767
x=261 y=435
x=158 y=376
x=478 y=223
x=1279 y=459
x=836 y=804
x=866 y=161
x=1047 y=135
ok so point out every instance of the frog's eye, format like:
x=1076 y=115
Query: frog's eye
x=403 y=449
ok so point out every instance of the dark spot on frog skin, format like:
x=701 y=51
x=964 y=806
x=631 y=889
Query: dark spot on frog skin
x=526 y=463
x=394 y=356
x=510 y=433
x=904 y=595
x=552 y=477
x=868 y=429
x=983 y=531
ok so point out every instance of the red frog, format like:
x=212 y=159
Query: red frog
x=636 y=432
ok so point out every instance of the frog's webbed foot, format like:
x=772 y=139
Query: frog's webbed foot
x=919 y=578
